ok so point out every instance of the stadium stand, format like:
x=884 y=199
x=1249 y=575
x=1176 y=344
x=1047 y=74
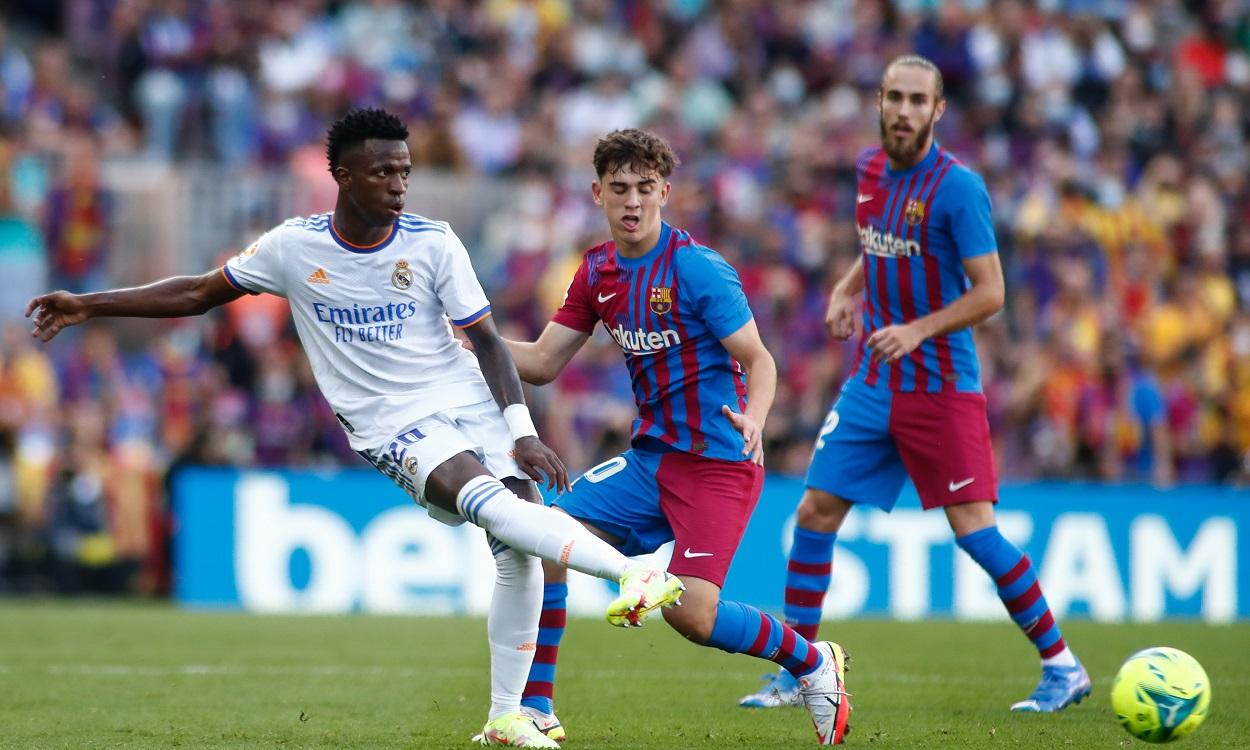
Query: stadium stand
x=143 y=136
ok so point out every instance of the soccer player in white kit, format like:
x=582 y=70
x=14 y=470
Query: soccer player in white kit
x=374 y=293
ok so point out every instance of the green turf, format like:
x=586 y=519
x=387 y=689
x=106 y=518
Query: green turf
x=110 y=675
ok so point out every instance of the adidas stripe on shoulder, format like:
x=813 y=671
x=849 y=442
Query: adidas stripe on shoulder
x=315 y=223
x=413 y=223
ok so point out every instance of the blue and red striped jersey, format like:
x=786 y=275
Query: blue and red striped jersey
x=916 y=227
x=668 y=311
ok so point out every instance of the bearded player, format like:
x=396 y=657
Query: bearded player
x=913 y=405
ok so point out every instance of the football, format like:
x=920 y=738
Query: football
x=1160 y=694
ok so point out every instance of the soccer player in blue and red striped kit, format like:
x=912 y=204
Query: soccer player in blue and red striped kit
x=913 y=404
x=704 y=384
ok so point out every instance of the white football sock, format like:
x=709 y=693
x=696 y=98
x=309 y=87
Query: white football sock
x=1064 y=658
x=537 y=530
x=512 y=628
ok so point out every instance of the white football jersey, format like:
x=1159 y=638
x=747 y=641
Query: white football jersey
x=375 y=321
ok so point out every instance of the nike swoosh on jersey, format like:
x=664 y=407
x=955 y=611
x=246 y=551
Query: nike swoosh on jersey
x=688 y=553
x=957 y=486
x=861 y=198
x=603 y=298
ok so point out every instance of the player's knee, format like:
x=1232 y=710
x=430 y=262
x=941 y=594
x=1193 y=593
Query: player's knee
x=820 y=511
x=448 y=478
x=965 y=518
x=808 y=516
x=515 y=569
x=692 y=621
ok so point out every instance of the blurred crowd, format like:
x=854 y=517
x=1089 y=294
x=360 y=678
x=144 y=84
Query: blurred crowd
x=1112 y=135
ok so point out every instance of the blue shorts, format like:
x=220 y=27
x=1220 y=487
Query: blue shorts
x=874 y=438
x=646 y=498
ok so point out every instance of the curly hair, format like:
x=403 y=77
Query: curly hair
x=638 y=149
x=358 y=126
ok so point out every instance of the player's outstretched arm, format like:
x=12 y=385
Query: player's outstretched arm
x=174 y=297
x=534 y=458
x=746 y=346
x=539 y=362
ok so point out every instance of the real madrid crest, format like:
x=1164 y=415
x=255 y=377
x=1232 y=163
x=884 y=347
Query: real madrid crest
x=402 y=277
x=410 y=464
x=661 y=299
x=914 y=212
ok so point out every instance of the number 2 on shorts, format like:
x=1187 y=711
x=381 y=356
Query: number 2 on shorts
x=826 y=429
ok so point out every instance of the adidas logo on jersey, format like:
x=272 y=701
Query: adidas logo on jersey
x=644 y=342
x=318 y=277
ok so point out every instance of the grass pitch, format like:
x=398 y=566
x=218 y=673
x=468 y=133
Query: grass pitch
x=89 y=675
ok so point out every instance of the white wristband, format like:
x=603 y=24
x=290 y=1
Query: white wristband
x=520 y=424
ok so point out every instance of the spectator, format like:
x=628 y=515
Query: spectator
x=22 y=252
x=1112 y=136
x=77 y=219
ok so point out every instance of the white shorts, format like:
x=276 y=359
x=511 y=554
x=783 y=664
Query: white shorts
x=410 y=457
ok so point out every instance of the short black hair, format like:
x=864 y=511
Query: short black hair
x=358 y=126
x=918 y=61
x=637 y=149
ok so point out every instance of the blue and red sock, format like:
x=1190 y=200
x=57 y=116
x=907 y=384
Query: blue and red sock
x=1018 y=587
x=541 y=685
x=808 y=573
x=743 y=629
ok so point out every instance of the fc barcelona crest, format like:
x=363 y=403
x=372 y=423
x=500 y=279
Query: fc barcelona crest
x=661 y=300
x=914 y=212
x=402 y=278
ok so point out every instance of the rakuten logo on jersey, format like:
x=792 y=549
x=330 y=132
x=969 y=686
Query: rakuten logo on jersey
x=644 y=342
x=876 y=242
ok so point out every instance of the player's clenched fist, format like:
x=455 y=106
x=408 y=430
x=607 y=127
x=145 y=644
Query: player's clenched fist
x=54 y=312
x=538 y=461
x=840 y=317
